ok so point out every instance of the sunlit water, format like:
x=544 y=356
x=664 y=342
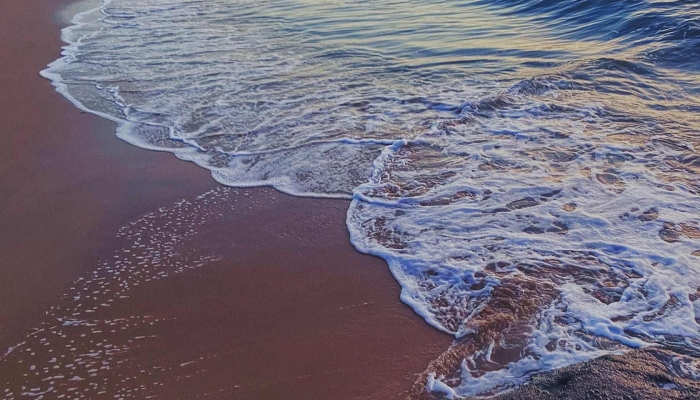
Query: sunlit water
x=528 y=169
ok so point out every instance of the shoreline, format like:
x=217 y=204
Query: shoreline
x=70 y=185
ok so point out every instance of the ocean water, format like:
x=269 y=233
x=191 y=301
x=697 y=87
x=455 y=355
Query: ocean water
x=527 y=168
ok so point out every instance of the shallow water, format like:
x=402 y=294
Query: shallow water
x=527 y=168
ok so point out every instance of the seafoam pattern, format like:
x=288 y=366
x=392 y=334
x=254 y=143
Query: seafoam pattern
x=542 y=191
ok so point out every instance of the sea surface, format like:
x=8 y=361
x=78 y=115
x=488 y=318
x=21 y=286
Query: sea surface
x=527 y=168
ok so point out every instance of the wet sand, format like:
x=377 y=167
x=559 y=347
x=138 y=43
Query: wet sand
x=67 y=183
x=279 y=305
x=642 y=374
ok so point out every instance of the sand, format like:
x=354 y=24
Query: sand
x=281 y=307
x=67 y=183
x=646 y=374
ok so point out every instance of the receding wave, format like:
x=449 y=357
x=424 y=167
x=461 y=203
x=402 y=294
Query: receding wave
x=528 y=169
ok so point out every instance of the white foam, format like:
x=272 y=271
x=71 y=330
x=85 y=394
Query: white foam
x=497 y=205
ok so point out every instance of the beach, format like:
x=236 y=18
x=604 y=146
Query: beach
x=272 y=301
x=298 y=200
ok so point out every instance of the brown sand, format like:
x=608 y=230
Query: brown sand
x=649 y=374
x=288 y=310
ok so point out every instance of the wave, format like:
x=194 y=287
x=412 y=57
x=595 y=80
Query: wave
x=661 y=32
x=527 y=169
x=540 y=211
x=639 y=21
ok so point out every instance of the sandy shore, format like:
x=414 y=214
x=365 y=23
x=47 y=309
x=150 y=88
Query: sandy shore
x=235 y=294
